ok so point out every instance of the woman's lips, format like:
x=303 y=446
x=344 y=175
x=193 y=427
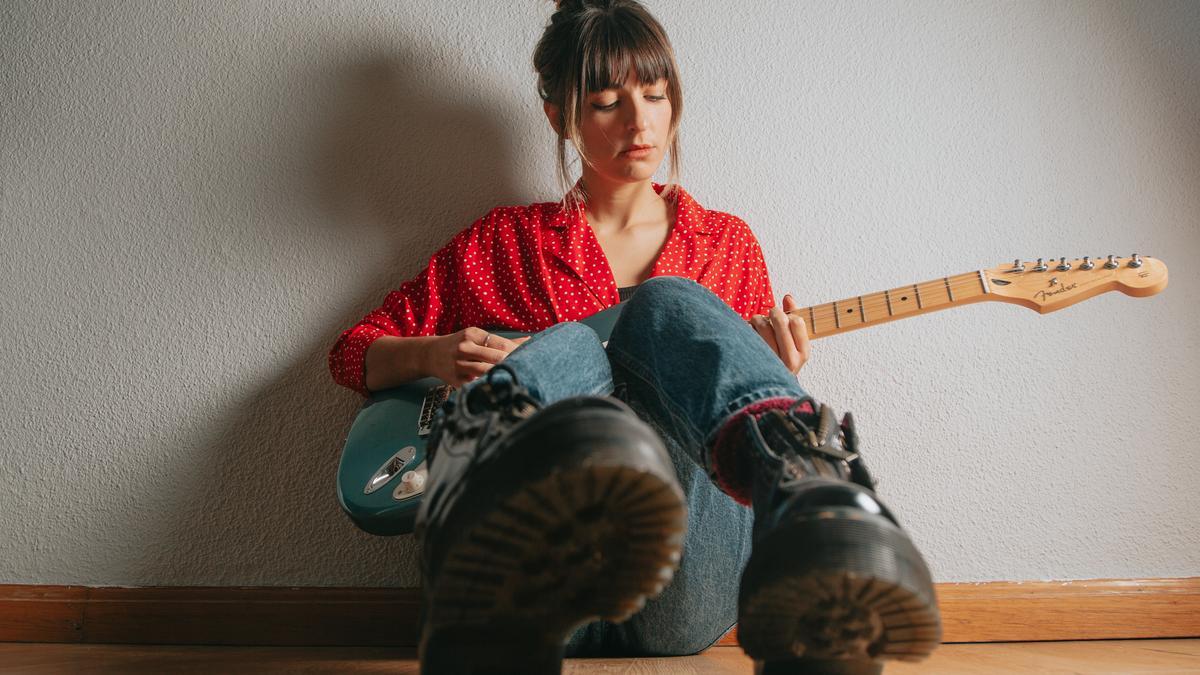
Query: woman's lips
x=638 y=152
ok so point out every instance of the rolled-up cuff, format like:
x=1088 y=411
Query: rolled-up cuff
x=347 y=359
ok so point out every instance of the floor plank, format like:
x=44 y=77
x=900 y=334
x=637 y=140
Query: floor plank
x=1100 y=657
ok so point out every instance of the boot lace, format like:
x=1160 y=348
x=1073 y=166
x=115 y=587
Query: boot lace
x=499 y=403
x=836 y=441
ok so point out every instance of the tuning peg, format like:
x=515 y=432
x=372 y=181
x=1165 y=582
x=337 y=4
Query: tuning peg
x=1087 y=263
x=1040 y=266
x=1063 y=265
x=1017 y=267
x=1112 y=263
x=1135 y=261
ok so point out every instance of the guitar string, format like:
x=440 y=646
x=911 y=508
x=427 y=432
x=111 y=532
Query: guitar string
x=959 y=282
x=876 y=304
x=877 y=301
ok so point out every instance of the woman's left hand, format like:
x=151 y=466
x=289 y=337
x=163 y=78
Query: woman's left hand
x=784 y=333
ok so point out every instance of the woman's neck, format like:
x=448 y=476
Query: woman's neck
x=616 y=206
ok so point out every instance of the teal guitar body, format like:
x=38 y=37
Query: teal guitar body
x=382 y=472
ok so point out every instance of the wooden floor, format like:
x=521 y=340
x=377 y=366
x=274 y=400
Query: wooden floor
x=1100 y=656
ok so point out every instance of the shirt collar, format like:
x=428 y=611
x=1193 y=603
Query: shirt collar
x=689 y=215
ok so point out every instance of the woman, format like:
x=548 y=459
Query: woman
x=561 y=481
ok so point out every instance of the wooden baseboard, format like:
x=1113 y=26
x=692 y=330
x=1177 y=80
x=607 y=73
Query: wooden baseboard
x=973 y=612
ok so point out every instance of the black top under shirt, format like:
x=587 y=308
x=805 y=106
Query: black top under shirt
x=627 y=292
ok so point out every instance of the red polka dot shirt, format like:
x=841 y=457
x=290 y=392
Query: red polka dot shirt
x=526 y=268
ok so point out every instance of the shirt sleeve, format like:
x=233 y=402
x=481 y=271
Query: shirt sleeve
x=421 y=306
x=759 y=290
x=738 y=272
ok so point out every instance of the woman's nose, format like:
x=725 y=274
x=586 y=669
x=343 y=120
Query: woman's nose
x=637 y=117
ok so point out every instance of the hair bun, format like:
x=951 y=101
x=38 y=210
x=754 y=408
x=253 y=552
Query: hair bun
x=576 y=5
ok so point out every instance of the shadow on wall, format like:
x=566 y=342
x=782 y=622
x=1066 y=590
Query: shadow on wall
x=404 y=152
x=395 y=159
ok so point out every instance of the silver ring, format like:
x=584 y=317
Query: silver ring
x=487 y=339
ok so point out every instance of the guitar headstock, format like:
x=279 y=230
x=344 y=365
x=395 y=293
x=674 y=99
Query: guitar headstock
x=1047 y=286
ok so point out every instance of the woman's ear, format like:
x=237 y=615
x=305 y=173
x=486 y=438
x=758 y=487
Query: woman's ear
x=554 y=114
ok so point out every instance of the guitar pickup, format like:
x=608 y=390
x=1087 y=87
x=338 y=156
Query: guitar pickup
x=434 y=398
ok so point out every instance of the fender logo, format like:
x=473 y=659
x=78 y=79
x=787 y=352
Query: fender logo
x=1042 y=295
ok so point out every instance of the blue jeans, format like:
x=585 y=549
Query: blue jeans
x=685 y=362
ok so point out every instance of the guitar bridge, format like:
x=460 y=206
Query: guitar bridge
x=434 y=398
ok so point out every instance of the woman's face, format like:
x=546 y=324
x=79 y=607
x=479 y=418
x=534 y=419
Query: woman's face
x=625 y=131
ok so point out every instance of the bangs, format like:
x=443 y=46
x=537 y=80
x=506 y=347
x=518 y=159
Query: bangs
x=616 y=47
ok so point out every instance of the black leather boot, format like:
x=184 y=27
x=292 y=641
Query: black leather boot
x=833 y=584
x=537 y=520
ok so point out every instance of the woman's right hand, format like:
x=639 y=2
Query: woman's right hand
x=459 y=358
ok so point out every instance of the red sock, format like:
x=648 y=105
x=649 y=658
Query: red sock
x=731 y=450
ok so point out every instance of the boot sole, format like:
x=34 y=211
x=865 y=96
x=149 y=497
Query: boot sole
x=837 y=591
x=594 y=538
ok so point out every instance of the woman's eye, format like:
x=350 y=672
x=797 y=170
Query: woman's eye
x=614 y=104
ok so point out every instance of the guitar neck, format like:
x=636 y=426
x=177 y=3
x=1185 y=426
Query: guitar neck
x=861 y=311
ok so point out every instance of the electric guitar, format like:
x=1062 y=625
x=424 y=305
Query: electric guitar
x=382 y=473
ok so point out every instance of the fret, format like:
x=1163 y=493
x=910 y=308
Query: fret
x=918 y=298
x=846 y=308
x=821 y=320
x=902 y=301
x=935 y=294
x=831 y=308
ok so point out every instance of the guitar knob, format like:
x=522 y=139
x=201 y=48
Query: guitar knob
x=1087 y=263
x=1135 y=261
x=1063 y=265
x=1040 y=266
x=1112 y=263
x=1016 y=268
x=413 y=481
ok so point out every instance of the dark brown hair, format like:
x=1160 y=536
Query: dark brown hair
x=591 y=45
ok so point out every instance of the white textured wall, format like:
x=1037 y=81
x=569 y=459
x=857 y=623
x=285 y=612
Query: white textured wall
x=196 y=197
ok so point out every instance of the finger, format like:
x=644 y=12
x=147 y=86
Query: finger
x=783 y=338
x=789 y=303
x=475 y=335
x=492 y=340
x=471 y=369
x=462 y=380
x=506 y=344
x=800 y=335
x=762 y=326
x=469 y=351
